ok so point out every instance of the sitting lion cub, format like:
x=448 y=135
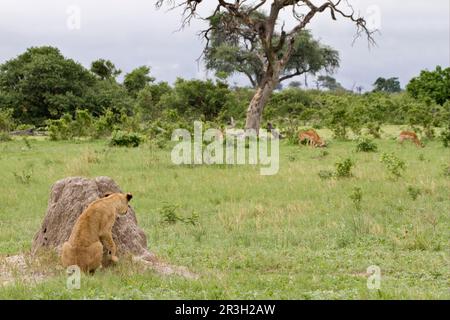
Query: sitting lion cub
x=92 y=231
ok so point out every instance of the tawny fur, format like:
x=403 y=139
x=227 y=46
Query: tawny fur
x=408 y=135
x=312 y=138
x=93 y=231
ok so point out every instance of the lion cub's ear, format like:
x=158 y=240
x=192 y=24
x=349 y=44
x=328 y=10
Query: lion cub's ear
x=107 y=194
x=129 y=196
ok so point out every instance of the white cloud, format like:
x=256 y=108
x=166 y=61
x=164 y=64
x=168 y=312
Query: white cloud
x=132 y=32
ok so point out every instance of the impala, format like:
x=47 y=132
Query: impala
x=312 y=137
x=408 y=135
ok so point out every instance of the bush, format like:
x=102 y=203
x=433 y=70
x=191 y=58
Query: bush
x=169 y=215
x=365 y=144
x=82 y=126
x=432 y=85
x=159 y=142
x=196 y=97
x=356 y=197
x=236 y=104
x=6 y=120
x=414 y=192
x=344 y=168
x=445 y=137
x=422 y=114
x=291 y=131
x=46 y=82
x=124 y=139
x=339 y=123
x=60 y=129
x=147 y=100
x=374 y=129
x=393 y=164
x=343 y=113
x=23 y=127
x=105 y=124
x=68 y=128
x=288 y=102
x=4 y=137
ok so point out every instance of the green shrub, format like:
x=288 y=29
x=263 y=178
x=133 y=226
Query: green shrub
x=356 y=197
x=236 y=104
x=432 y=85
x=159 y=141
x=169 y=215
x=445 y=137
x=414 y=192
x=83 y=124
x=147 y=100
x=290 y=131
x=124 y=139
x=196 y=97
x=393 y=164
x=129 y=123
x=4 y=137
x=289 y=102
x=105 y=124
x=344 y=113
x=6 y=120
x=374 y=129
x=23 y=127
x=60 y=129
x=344 y=168
x=365 y=144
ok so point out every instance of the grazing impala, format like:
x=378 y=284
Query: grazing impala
x=408 y=135
x=312 y=138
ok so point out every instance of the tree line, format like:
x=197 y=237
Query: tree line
x=42 y=85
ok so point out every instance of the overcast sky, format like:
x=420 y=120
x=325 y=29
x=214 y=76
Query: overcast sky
x=414 y=35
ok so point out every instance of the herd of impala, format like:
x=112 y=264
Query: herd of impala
x=313 y=139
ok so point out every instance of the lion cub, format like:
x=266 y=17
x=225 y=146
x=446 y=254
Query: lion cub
x=92 y=231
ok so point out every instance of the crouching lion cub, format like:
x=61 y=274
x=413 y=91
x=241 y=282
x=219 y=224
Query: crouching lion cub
x=92 y=231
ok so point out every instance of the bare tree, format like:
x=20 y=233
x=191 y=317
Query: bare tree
x=277 y=47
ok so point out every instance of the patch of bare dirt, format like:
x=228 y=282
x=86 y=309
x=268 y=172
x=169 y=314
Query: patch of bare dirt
x=23 y=268
x=31 y=270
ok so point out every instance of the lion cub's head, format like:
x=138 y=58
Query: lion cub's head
x=120 y=200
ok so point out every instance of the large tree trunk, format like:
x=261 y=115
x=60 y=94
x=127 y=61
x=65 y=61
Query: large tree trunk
x=257 y=104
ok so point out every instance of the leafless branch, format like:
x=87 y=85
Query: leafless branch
x=297 y=72
x=241 y=15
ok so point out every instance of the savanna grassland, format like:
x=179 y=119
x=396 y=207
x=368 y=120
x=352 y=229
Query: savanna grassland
x=294 y=235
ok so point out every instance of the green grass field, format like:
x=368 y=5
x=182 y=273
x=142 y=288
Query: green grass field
x=288 y=236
